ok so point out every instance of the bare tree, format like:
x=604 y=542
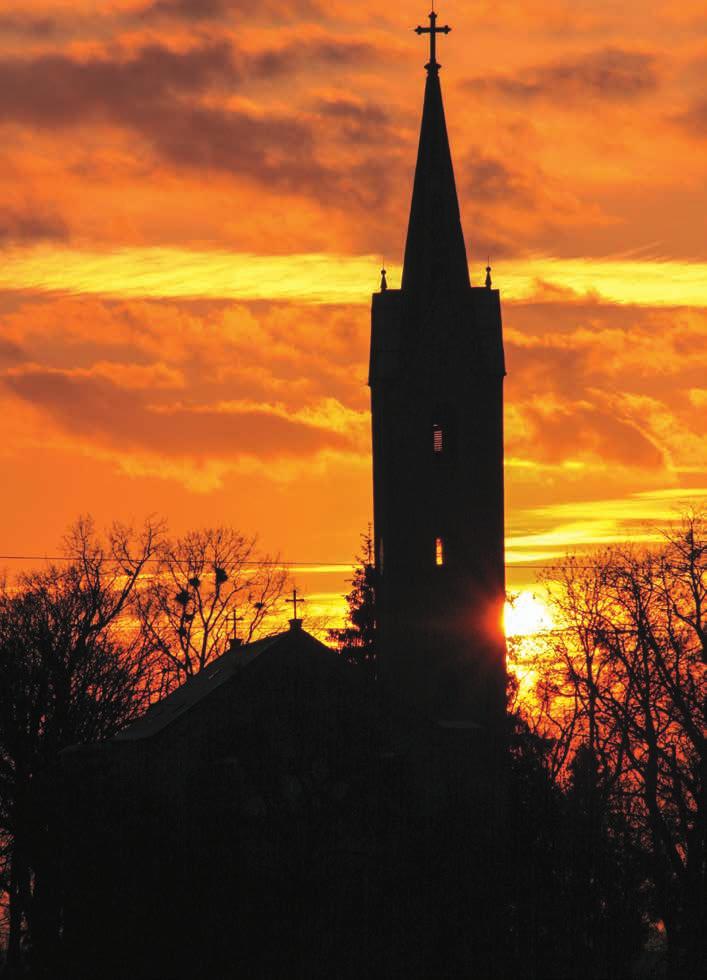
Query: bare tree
x=624 y=678
x=71 y=670
x=206 y=587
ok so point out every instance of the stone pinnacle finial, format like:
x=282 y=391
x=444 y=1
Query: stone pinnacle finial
x=384 y=282
x=488 y=274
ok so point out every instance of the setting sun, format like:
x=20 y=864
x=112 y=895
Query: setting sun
x=526 y=614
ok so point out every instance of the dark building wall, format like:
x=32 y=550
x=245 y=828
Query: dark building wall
x=206 y=841
x=437 y=361
x=385 y=868
x=440 y=625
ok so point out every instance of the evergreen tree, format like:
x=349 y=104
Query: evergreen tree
x=356 y=641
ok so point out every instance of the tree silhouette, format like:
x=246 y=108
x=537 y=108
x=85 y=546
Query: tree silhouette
x=622 y=693
x=207 y=586
x=71 y=670
x=357 y=640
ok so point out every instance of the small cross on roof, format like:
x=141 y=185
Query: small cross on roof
x=295 y=600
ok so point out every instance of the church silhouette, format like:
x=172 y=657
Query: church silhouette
x=283 y=814
x=436 y=377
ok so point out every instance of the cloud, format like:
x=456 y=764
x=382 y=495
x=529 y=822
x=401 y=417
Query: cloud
x=277 y=150
x=358 y=123
x=486 y=178
x=98 y=410
x=576 y=430
x=684 y=447
x=693 y=120
x=609 y=389
x=55 y=91
x=28 y=224
x=206 y=10
x=350 y=110
x=308 y=54
x=611 y=74
x=258 y=352
x=158 y=93
x=154 y=376
x=607 y=344
x=10 y=352
x=28 y=25
x=576 y=389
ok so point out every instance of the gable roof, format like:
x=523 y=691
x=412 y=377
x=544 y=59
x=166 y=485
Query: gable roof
x=161 y=714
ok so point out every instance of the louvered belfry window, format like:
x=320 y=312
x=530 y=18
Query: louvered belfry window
x=439 y=551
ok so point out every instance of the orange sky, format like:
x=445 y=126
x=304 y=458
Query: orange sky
x=195 y=196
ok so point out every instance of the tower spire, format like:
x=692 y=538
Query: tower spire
x=435 y=254
x=436 y=377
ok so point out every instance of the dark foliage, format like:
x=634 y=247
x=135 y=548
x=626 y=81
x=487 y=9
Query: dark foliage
x=356 y=641
x=576 y=906
x=622 y=690
x=69 y=673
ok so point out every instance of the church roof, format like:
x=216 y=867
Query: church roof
x=435 y=254
x=216 y=674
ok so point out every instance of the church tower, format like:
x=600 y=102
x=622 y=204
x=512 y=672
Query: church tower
x=436 y=378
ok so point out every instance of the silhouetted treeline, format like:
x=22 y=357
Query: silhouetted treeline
x=607 y=791
x=619 y=712
x=593 y=868
x=66 y=676
x=86 y=645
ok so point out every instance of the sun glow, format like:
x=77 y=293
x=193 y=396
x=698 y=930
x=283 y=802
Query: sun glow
x=526 y=614
x=527 y=618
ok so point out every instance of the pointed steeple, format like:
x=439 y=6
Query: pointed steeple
x=436 y=377
x=435 y=254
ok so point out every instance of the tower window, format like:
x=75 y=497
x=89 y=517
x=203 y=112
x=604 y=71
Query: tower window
x=439 y=551
x=437 y=439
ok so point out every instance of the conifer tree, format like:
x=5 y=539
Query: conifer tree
x=356 y=641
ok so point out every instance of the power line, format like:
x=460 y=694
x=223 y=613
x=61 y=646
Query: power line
x=269 y=563
x=244 y=564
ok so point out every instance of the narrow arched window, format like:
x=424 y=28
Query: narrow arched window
x=437 y=439
x=439 y=551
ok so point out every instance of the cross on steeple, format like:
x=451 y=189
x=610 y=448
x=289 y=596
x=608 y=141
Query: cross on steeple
x=294 y=600
x=432 y=65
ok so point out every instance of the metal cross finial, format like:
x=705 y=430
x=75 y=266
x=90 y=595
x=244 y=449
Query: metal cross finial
x=235 y=619
x=432 y=66
x=294 y=600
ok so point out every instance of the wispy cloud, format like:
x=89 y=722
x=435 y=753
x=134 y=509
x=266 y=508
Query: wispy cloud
x=613 y=74
x=333 y=278
x=577 y=526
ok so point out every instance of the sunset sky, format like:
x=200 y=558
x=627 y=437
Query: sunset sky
x=195 y=200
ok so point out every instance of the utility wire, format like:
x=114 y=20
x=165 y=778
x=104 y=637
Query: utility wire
x=267 y=563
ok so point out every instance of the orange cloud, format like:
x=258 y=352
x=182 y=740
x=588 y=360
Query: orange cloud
x=605 y=74
x=194 y=205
